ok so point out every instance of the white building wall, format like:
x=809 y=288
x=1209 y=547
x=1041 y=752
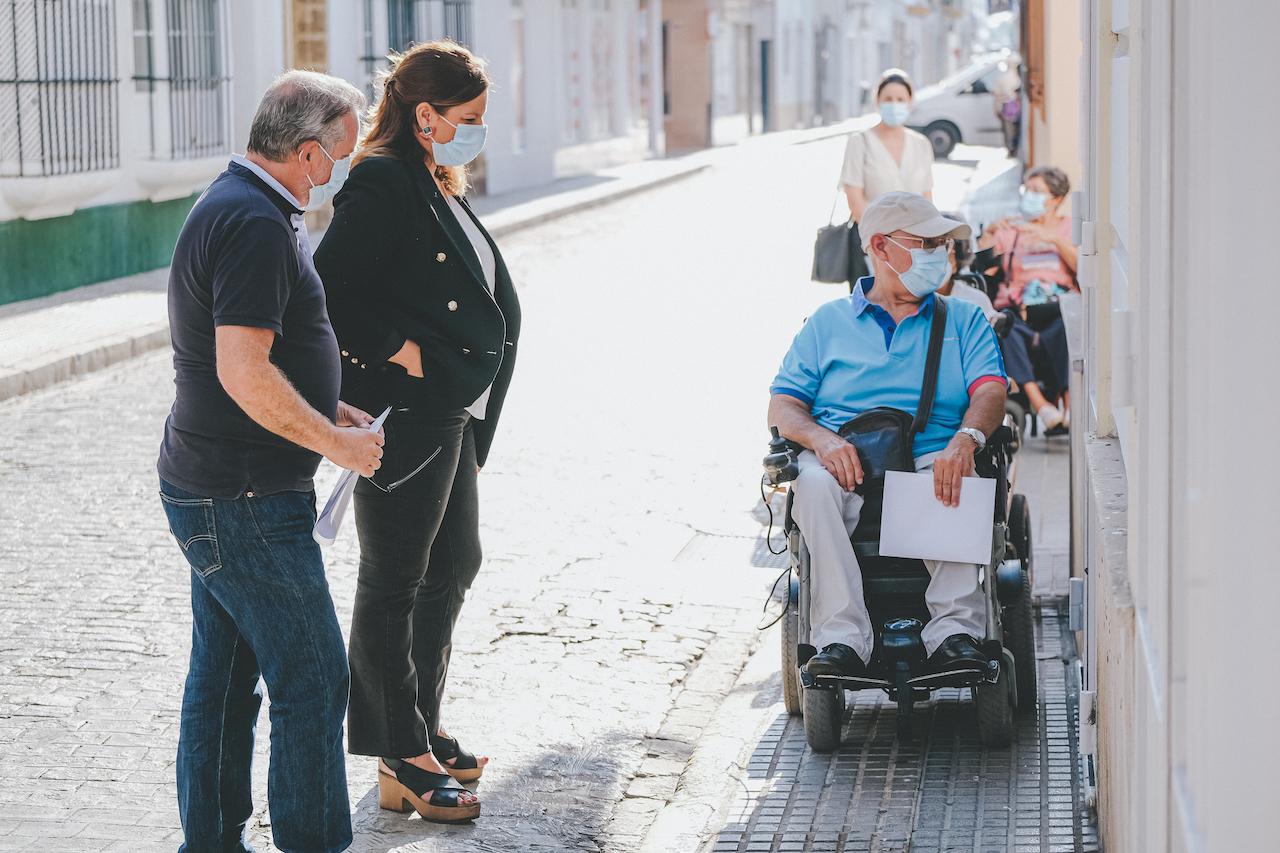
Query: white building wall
x=252 y=54
x=1182 y=325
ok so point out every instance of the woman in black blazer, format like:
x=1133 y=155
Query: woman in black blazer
x=427 y=322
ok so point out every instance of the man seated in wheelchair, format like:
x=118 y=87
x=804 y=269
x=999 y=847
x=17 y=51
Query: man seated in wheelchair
x=868 y=350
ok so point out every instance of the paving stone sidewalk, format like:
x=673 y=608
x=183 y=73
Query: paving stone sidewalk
x=599 y=637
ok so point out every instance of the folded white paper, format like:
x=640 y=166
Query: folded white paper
x=335 y=509
x=916 y=524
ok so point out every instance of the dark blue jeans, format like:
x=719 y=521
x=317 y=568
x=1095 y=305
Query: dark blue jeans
x=260 y=605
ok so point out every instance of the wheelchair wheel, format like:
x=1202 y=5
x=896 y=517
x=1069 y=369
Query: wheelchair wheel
x=1020 y=530
x=823 y=717
x=995 y=711
x=1020 y=639
x=790 y=660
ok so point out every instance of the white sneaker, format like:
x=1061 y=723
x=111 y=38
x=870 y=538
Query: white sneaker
x=1050 y=416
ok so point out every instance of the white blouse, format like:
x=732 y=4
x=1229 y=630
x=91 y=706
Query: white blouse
x=489 y=265
x=869 y=165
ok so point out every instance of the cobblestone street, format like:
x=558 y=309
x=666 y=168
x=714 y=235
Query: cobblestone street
x=621 y=590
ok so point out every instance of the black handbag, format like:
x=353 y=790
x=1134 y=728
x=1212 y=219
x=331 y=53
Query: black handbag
x=883 y=436
x=831 y=250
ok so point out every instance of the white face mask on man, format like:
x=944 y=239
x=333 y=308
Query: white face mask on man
x=323 y=192
x=928 y=271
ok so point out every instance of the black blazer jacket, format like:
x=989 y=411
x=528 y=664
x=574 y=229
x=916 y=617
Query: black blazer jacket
x=397 y=266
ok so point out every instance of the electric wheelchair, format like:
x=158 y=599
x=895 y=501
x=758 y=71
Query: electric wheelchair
x=894 y=590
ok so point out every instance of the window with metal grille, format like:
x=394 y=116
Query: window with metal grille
x=58 y=87
x=186 y=75
x=413 y=21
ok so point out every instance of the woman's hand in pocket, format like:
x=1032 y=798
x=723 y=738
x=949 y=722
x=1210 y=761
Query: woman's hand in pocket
x=410 y=358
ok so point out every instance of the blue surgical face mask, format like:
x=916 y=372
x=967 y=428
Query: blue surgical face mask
x=928 y=271
x=1033 y=204
x=466 y=145
x=895 y=114
x=322 y=193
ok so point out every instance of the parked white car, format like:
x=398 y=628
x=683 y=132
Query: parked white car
x=962 y=108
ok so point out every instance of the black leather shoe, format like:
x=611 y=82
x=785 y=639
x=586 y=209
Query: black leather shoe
x=836 y=659
x=840 y=662
x=959 y=656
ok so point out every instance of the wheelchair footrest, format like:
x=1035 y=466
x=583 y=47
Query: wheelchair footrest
x=828 y=682
x=931 y=681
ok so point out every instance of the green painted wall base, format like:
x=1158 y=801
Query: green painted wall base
x=95 y=244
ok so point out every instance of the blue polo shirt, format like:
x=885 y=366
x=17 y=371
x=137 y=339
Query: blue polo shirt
x=851 y=356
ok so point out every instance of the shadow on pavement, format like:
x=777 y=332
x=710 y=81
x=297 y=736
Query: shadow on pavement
x=561 y=799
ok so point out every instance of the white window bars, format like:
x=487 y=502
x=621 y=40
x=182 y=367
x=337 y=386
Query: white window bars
x=413 y=21
x=181 y=63
x=58 y=87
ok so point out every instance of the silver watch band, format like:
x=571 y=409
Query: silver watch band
x=976 y=434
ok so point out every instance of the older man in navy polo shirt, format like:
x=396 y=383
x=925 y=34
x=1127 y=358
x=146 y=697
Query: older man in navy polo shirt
x=257 y=376
x=868 y=350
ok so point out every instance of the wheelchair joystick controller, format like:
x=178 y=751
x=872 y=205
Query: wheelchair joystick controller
x=782 y=465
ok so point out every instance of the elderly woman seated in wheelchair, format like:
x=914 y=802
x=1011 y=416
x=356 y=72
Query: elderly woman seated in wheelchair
x=1032 y=263
x=839 y=409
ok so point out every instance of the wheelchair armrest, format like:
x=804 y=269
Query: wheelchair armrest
x=1001 y=445
x=1003 y=436
x=1002 y=323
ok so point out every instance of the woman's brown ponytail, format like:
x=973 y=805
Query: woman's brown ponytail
x=440 y=73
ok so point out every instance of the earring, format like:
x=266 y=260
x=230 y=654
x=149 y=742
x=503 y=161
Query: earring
x=426 y=130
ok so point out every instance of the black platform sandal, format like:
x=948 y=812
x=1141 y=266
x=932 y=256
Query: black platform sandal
x=403 y=786
x=466 y=767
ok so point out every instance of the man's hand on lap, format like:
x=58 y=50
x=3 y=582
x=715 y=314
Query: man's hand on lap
x=949 y=468
x=840 y=458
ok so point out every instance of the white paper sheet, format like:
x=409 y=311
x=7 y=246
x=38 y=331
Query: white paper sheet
x=335 y=509
x=916 y=524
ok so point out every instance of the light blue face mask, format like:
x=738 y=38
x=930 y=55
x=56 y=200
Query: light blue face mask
x=1033 y=204
x=466 y=145
x=894 y=114
x=327 y=190
x=928 y=271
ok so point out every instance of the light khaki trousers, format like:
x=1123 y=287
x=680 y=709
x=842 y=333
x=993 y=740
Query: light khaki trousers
x=827 y=516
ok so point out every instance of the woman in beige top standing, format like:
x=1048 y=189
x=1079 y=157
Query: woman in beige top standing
x=885 y=158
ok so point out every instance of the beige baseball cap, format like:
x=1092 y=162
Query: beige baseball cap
x=915 y=214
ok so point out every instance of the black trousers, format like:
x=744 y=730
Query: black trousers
x=418 y=527
x=1018 y=348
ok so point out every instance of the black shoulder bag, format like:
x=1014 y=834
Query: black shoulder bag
x=883 y=436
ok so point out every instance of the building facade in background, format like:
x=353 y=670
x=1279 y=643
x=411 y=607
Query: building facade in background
x=1173 y=473
x=115 y=114
x=741 y=67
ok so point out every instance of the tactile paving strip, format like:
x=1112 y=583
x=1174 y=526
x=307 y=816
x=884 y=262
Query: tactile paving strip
x=941 y=792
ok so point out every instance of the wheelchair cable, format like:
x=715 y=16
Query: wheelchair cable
x=768 y=543
x=768 y=536
x=785 y=601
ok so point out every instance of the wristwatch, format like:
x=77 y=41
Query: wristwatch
x=976 y=434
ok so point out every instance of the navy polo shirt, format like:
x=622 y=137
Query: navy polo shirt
x=851 y=356
x=240 y=262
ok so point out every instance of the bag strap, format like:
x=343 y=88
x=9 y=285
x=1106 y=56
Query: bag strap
x=931 y=364
x=1008 y=257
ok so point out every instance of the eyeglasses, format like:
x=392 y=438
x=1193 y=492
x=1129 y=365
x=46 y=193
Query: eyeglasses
x=929 y=243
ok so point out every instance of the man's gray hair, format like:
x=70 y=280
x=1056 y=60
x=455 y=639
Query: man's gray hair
x=301 y=106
